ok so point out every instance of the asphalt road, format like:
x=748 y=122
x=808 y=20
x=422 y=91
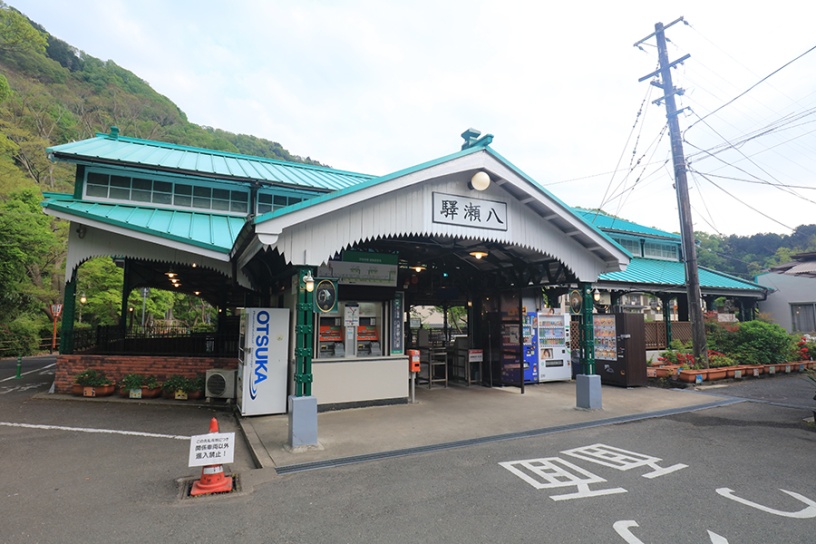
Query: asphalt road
x=741 y=474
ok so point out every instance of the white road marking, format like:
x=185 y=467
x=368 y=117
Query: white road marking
x=619 y=459
x=8 y=389
x=805 y=513
x=89 y=430
x=717 y=539
x=622 y=528
x=555 y=473
x=29 y=372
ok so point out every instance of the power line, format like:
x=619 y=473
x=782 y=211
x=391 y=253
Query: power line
x=749 y=89
x=763 y=214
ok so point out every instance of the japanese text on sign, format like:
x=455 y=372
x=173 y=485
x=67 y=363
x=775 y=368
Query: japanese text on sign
x=469 y=212
x=212 y=449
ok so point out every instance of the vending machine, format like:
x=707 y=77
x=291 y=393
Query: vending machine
x=511 y=359
x=554 y=353
x=620 y=349
x=263 y=350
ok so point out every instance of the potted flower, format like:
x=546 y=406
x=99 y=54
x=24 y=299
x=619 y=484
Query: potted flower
x=177 y=387
x=131 y=386
x=94 y=383
x=197 y=387
x=151 y=388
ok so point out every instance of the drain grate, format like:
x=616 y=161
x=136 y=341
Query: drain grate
x=187 y=485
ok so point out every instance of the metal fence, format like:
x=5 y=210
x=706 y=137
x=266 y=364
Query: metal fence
x=655 y=334
x=156 y=341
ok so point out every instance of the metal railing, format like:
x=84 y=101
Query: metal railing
x=156 y=341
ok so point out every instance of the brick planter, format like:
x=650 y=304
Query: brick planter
x=116 y=367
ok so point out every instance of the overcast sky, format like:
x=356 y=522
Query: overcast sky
x=378 y=86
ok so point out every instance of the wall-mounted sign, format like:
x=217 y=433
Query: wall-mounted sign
x=397 y=323
x=325 y=296
x=361 y=268
x=466 y=211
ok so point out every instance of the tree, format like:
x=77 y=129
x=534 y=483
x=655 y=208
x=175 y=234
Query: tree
x=17 y=34
x=27 y=254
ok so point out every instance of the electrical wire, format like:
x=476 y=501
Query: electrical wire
x=752 y=87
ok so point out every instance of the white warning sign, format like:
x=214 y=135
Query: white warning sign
x=212 y=449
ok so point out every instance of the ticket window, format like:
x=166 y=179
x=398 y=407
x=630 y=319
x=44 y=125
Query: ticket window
x=355 y=331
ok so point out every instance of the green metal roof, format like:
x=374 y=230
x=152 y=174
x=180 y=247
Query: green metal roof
x=611 y=224
x=673 y=273
x=112 y=148
x=206 y=230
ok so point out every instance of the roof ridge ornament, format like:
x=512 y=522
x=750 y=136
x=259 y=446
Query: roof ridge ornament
x=472 y=139
x=114 y=132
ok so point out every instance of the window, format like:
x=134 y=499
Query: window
x=166 y=193
x=804 y=317
x=631 y=245
x=656 y=250
x=270 y=202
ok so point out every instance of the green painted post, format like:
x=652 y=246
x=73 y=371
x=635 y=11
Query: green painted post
x=19 y=367
x=303 y=337
x=667 y=318
x=588 y=347
x=68 y=313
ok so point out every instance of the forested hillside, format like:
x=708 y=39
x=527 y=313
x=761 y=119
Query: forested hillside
x=51 y=93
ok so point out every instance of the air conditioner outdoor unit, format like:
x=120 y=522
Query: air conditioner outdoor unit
x=220 y=384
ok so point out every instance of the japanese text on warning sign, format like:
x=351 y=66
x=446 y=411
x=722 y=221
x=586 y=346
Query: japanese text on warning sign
x=211 y=449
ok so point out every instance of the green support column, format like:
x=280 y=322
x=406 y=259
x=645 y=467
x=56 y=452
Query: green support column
x=68 y=311
x=666 y=301
x=304 y=336
x=125 y=294
x=588 y=330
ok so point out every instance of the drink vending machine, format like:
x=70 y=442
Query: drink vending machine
x=553 y=342
x=620 y=349
x=511 y=359
x=263 y=351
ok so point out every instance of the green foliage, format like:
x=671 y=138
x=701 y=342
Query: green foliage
x=177 y=382
x=132 y=381
x=759 y=343
x=717 y=359
x=28 y=251
x=92 y=378
x=21 y=336
x=17 y=34
x=151 y=382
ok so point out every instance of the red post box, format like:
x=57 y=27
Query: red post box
x=413 y=360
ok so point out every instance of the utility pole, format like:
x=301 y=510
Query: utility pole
x=694 y=295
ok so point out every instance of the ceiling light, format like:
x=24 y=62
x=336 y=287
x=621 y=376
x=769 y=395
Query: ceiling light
x=478 y=255
x=418 y=268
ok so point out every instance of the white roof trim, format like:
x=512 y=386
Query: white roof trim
x=400 y=207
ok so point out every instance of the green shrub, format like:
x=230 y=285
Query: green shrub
x=132 y=381
x=759 y=343
x=176 y=382
x=92 y=378
x=20 y=337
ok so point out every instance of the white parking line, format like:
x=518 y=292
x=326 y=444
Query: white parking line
x=88 y=430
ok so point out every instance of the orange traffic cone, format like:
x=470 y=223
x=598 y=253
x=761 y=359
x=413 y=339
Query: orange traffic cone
x=212 y=476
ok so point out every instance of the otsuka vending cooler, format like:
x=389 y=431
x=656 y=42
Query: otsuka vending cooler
x=553 y=347
x=263 y=348
x=620 y=349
